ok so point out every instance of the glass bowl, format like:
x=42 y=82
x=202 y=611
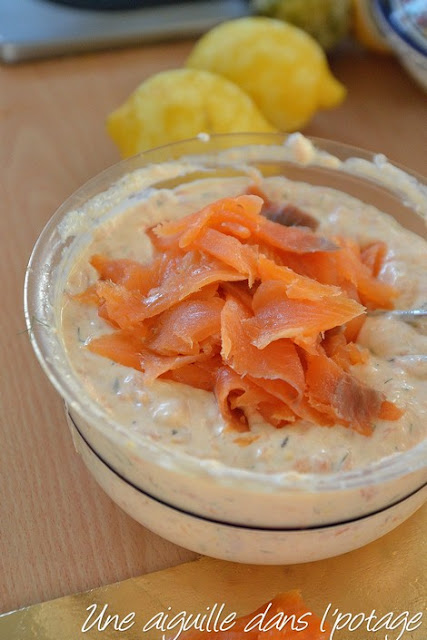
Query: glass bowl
x=238 y=514
x=404 y=26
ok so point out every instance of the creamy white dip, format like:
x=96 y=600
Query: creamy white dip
x=187 y=419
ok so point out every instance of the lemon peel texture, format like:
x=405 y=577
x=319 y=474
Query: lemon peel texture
x=179 y=104
x=279 y=66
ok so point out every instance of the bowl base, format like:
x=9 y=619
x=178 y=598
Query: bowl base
x=242 y=544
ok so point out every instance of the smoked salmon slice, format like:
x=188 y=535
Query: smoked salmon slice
x=346 y=269
x=195 y=271
x=297 y=286
x=241 y=214
x=229 y=250
x=286 y=214
x=342 y=352
x=277 y=316
x=263 y=315
x=236 y=394
x=192 y=271
x=200 y=374
x=372 y=292
x=278 y=361
x=118 y=305
x=121 y=346
x=128 y=273
x=373 y=256
x=337 y=393
x=285 y=617
x=228 y=387
x=293 y=239
x=154 y=365
x=182 y=328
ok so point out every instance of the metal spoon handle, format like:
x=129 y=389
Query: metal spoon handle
x=408 y=315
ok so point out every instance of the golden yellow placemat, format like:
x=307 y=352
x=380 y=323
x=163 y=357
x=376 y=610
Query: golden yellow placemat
x=388 y=576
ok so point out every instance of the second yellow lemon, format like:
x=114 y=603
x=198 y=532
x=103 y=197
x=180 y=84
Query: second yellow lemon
x=281 y=67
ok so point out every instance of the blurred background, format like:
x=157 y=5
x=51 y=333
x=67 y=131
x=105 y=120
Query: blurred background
x=43 y=28
x=40 y=28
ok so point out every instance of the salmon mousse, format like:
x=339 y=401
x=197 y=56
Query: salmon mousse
x=229 y=319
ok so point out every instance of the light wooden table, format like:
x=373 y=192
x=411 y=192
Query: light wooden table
x=59 y=532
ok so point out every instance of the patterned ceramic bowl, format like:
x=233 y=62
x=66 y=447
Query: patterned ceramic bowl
x=404 y=24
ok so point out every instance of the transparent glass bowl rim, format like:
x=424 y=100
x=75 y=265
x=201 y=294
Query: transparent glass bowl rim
x=72 y=392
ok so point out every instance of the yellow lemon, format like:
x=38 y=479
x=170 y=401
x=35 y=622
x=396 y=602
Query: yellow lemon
x=281 y=67
x=179 y=104
x=366 y=29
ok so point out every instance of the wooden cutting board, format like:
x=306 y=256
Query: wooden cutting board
x=389 y=575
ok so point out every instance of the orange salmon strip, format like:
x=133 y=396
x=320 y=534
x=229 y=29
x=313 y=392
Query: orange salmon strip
x=285 y=617
x=263 y=315
x=277 y=316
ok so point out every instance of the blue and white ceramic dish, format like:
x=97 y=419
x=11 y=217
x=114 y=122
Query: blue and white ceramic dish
x=404 y=24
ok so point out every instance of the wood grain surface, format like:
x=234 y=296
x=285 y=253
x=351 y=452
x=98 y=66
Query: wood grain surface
x=59 y=532
x=396 y=585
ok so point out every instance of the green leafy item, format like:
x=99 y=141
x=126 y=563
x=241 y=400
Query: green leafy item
x=328 y=21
